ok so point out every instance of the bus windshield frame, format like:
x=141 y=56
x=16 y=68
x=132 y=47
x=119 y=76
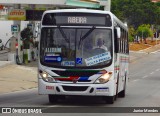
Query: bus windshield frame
x=58 y=42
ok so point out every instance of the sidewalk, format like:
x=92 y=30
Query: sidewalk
x=15 y=77
x=4 y=63
x=3 y=51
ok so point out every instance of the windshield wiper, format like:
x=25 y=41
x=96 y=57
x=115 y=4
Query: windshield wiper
x=85 y=36
x=63 y=34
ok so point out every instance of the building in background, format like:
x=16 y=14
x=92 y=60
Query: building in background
x=34 y=10
x=155 y=0
x=41 y=5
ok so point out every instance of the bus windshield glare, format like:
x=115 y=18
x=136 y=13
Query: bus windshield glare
x=76 y=47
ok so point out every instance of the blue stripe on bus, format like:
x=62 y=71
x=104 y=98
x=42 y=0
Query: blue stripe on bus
x=83 y=78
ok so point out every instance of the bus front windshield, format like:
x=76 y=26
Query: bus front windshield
x=76 y=47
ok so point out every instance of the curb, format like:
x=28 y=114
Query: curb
x=155 y=52
x=146 y=49
x=137 y=52
x=4 y=51
x=5 y=64
x=152 y=47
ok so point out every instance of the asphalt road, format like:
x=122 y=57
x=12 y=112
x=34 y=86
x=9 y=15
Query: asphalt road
x=143 y=91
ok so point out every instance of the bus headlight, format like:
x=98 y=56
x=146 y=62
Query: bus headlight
x=46 y=77
x=104 y=78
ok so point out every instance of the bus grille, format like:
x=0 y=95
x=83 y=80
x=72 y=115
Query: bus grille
x=76 y=73
x=75 y=88
x=72 y=80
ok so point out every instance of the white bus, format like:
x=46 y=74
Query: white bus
x=82 y=53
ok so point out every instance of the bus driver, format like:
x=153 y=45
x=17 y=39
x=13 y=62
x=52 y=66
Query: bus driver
x=100 y=44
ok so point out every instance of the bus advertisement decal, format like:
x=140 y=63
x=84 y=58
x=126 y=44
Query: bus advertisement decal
x=53 y=58
x=116 y=68
x=124 y=59
x=98 y=58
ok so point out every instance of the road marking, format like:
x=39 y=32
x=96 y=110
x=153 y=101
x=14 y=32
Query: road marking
x=145 y=76
x=133 y=75
x=135 y=80
x=151 y=73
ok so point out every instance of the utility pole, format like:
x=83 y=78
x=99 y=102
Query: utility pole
x=142 y=35
x=107 y=7
x=15 y=28
x=156 y=37
x=17 y=34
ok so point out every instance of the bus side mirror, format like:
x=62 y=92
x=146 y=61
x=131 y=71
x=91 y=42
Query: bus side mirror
x=117 y=36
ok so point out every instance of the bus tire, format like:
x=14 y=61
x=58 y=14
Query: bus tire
x=109 y=99
x=52 y=98
x=123 y=92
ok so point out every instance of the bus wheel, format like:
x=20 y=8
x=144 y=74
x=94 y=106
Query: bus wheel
x=123 y=92
x=109 y=99
x=52 y=98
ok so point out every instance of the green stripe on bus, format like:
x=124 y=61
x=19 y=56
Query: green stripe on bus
x=83 y=70
x=60 y=76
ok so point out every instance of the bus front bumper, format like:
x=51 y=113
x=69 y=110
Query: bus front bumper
x=76 y=89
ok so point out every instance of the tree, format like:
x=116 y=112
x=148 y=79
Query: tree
x=136 y=12
x=131 y=34
x=156 y=31
x=144 y=31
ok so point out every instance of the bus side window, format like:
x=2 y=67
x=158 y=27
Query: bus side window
x=117 y=40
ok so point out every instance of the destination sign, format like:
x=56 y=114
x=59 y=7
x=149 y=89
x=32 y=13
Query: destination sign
x=81 y=20
x=74 y=19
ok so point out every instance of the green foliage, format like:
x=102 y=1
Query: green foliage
x=131 y=34
x=144 y=31
x=158 y=4
x=131 y=38
x=136 y=12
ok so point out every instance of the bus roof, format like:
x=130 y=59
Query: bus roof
x=88 y=11
x=77 y=10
